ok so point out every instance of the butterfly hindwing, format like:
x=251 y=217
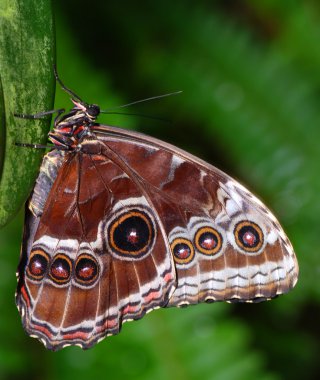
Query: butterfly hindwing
x=98 y=256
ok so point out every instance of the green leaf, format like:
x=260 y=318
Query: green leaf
x=26 y=61
x=2 y=126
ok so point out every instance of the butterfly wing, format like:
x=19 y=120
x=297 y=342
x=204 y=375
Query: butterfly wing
x=132 y=224
x=94 y=258
x=225 y=243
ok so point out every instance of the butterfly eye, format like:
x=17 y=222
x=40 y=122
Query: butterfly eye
x=86 y=270
x=38 y=265
x=183 y=251
x=93 y=110
x=131 y=234
x=249 y=236
x=60 y=270
x=208 y=241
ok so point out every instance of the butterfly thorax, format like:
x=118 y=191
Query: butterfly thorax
x=70 y=128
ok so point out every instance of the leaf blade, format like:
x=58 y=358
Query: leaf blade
x=26 y=60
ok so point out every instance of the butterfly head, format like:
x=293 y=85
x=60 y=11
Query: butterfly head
x=91 y=111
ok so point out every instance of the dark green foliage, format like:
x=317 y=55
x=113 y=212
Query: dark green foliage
x=250 y=77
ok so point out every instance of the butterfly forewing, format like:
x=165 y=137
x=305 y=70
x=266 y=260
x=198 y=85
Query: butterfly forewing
x=225 y=243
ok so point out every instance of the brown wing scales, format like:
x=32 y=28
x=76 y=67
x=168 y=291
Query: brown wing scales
x=102 y=256
x=132 y=224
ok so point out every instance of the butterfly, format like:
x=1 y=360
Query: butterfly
x=120 y=223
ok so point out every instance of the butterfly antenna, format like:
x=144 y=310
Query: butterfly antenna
x=139 y=115
x=64 y=87
x=141 y=101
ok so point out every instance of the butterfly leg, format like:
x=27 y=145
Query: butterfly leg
x=36 y=116
x=40 y=115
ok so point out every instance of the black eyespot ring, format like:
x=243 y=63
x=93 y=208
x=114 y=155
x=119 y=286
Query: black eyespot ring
x=248 y=236
x=183 y=251
x=208 y=241
x=38 y=265
x=86 y=269
x=61 y=269
x=131 y=234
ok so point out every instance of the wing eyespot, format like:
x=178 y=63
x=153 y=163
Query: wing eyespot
x=86 y=270
x=183 y=250
x=248 y=236
x=61 y=269
x=38 y=265
x=208 y=241
x=131 y=234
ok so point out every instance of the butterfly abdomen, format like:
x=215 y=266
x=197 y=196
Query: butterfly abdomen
x=50 y=166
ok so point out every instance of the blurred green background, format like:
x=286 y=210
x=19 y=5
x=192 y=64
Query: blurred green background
x=250 y=75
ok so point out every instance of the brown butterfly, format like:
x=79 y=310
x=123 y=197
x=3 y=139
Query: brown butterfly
x=119 y=224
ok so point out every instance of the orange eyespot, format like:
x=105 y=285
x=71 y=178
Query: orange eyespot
x=208 y=241
x=60 y=269
x=183 y=251
x=38 y=265
x=86 y=269
x=131 y=234
x=248 y=236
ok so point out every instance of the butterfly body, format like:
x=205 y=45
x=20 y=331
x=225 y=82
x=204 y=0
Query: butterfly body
x=120 y=223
